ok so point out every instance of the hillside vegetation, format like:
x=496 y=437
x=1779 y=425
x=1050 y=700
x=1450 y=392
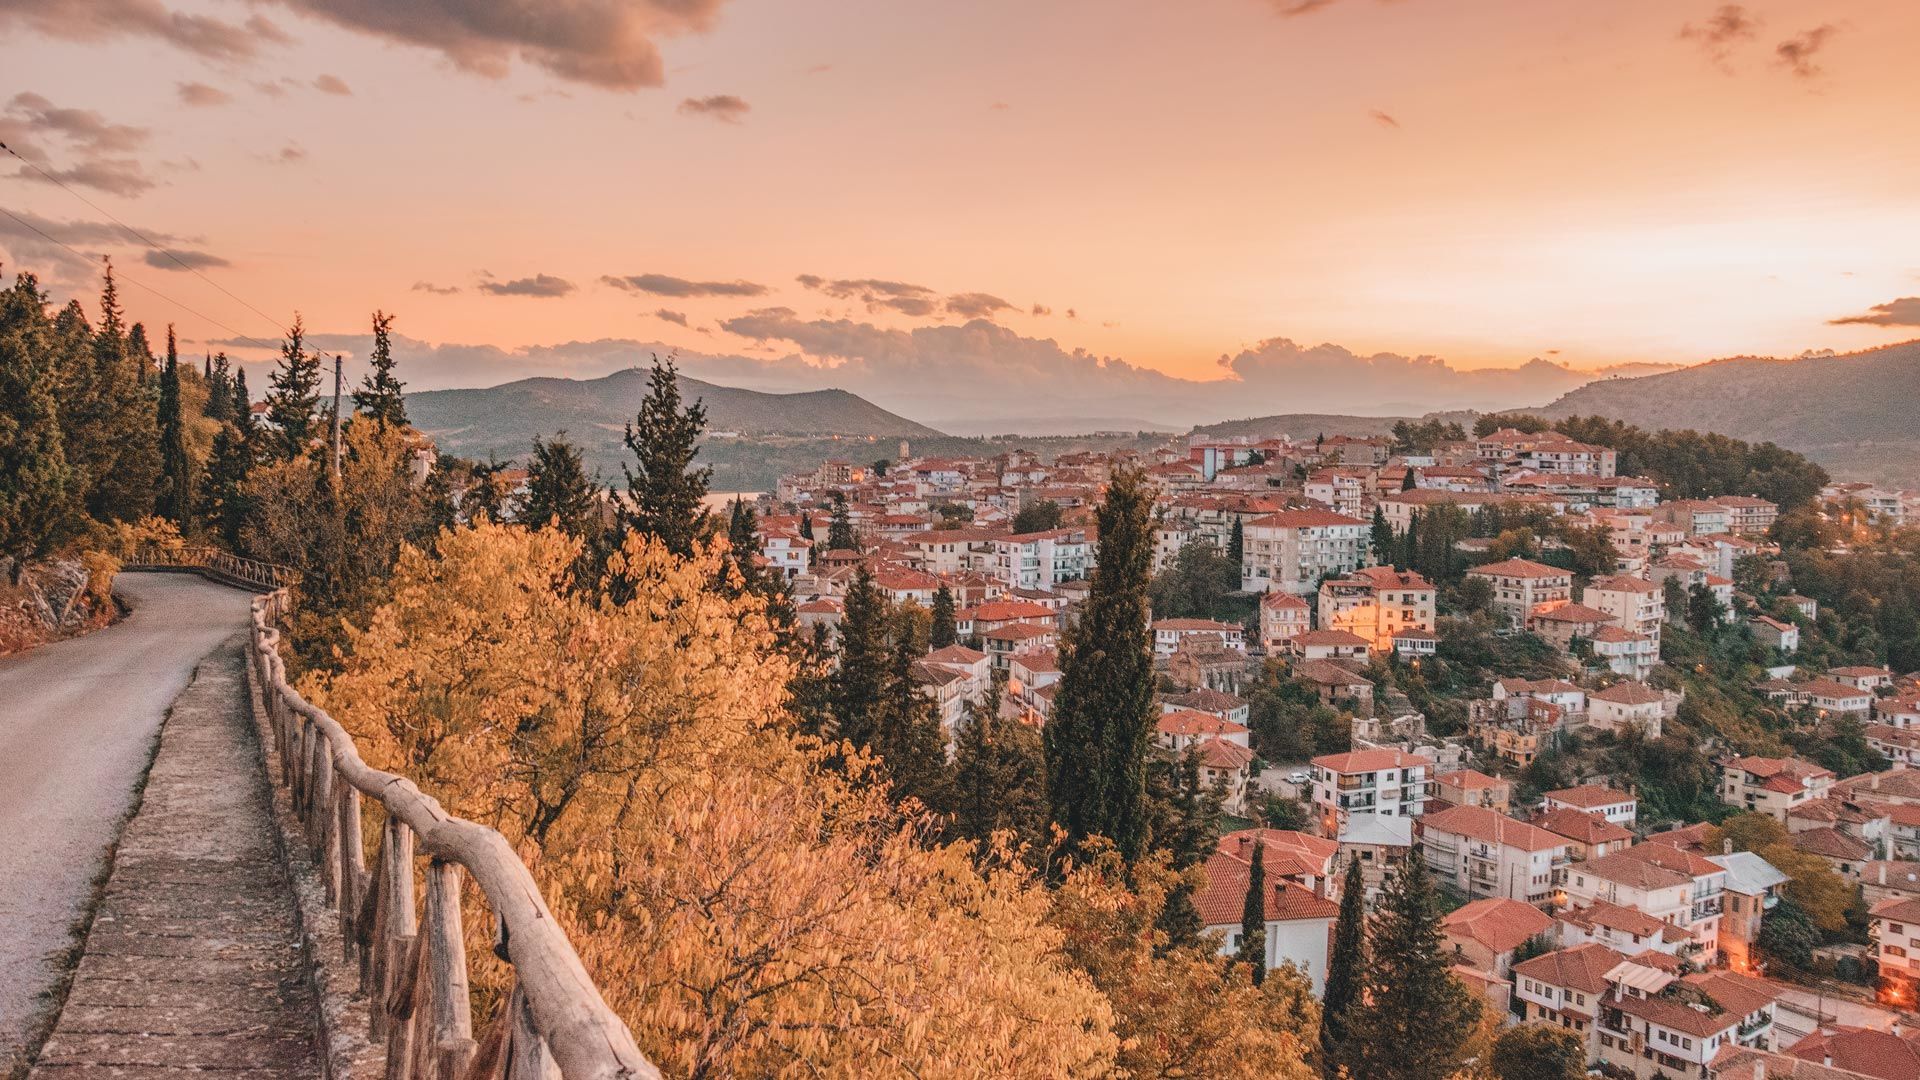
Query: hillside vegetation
x=1854 y=413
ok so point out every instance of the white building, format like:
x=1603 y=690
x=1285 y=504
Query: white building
x=1298 y=920
x=1292 y=550
x=1486 y=853
x=1389 y=782
x=1520 y=585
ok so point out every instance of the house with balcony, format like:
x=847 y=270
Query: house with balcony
x=1292 y=550
x=1486 y=853
x=1564 y=987
x=1894 y=925
x=1520 y=586
x=1636 y=604
x=1588 y=835
x=1619 y=807
x=1772 y=786
x=1622 y=929
x=1170 y=634
x=1282 y=615
x=1753 y=889
x=1470 y=787
x=1696 y=907
x=1376 y=603
x=1630 y=705
x=1297 y=920
x=1393 y=783
x=1653 y=1024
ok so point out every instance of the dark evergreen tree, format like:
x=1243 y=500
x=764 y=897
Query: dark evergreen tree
x=176 y=468
x=380 y=395
x=665 y=493
x=36 y=493
x=293 y=396
x=1416 y=1017
x=1237 y=542
x=1102 y=727
x=1380 y=538
x=1408 y=482
x=806 y=527
x=1253 y=916
x=1038 y=516
x=242 y=404
x=1346 y=972
x=219 y=376
x=999 y=777
x=908 y=736
x=943 y=630
x=1539 y=1051
x=124 y=458
x=860 y=681
x=1184 y=816
x=840 y=527
x=559 y=491
x=224 y=505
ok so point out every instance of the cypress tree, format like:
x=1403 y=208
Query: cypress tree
x=806 y=526
x=176 y=469
x=1346 y=967
x=1416 y=1017
x=999 y=780
x=223 y=498
x=379 y=397
x=944 y=629
x=1236 y=542
x=242 y=404
x=840 y=529
x=1409 y=481
x=559 y=491
x=36 y=499
x=664 y=490
x=293 y=395
x=1253 y=916
x=860 y=681
x=1410 y=545
x=1101 y=731
x=1380 y=538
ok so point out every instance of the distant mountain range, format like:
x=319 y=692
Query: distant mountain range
x=1856 y=413
x=502 y=420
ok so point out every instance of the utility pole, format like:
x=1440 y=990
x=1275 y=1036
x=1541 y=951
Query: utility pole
x=336 y=416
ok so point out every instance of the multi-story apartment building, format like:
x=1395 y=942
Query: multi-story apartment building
x=1041 y=560
x=1292 y=550
x=1545 y=452
x=1665 y=882
x=1772 y=786
x=1748 y=516
x=1630 y=705
x=1521 y=585
x=1636 y=604
x=1389 y=782
x=1698 y=517
x=1486 y=853
x=1282 y=616
x=1377 y=602
x=1471 y=787
x=1894 y=924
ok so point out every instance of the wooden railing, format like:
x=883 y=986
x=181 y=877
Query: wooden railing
x=214 y=563
x=413 y=964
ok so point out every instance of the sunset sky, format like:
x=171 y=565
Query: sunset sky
x=1484 y=181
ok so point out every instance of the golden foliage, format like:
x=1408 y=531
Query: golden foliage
x=124 y=538
x=1180 y=1012
x=746 y=911
x=1813 y=883
x=100 y=568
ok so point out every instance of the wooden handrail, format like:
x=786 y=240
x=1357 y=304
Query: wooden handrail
x=214 y=562
x=413 y=965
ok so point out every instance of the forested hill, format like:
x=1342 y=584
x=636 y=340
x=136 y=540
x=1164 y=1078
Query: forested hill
x=1307 y=425
x=1853 y=414
x=501 y=420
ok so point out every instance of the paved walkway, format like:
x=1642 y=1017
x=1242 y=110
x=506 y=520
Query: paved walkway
x=193 y=963
x=77 y=726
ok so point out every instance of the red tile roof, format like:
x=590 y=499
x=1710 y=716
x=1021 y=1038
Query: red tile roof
x=1520 y=568
x=1582 y=967
x=1491 y=827
x=1588 y=796
x=1498 y=923
x=1587 y=828
x=1363 y=761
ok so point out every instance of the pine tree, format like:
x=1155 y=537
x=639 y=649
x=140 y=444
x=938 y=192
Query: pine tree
x=1101 y=730
x=1380 y=538
x=1416 y=1017
x=1408 y=482
x=224 y=504
x=293 y=396
x=1409 y=546
x=944 y=631
x=664 y=490
x=1346 y=969
x=1253 y=917
x=242 y=404
x=176 y=468
x=908 y=735
x=559 y=491
x=1236 y=542
x=219 y=376
x=840 y=529
x=125 y=466
x=860 y=681
x=999 y=777
x=36 y=496
x=379 y=397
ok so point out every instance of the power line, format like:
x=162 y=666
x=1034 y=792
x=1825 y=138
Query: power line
x=135 y=281
x=135 y=233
